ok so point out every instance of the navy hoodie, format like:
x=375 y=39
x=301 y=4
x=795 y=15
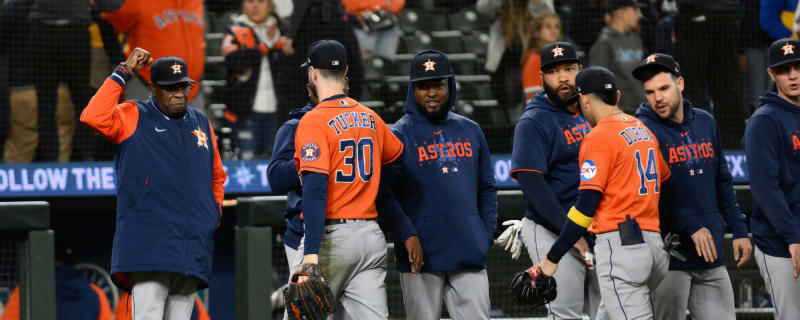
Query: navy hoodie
x=445 y=184
x=772 y=145
x=703 y=183
x=75 y=298
x=282 y=176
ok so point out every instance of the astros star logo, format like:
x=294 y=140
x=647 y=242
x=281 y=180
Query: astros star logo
x=429 y=65
x=557 y=51
x=310 y=152
x=243 y=176
x=202 y=139
x=787 y=49
x=176 y=68
x=651 y=58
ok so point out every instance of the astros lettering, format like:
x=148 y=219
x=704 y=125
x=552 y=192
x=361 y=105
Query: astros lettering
x=444 y=150
x=690 y=152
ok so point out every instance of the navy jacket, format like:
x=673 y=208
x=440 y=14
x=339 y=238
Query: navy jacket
x=445 y=184
x=169 y=184
x=703 y=183
x=282 y=176
x=547 y=140
x=772 y=145
x=75 y=299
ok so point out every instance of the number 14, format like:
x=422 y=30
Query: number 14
x=649 y=174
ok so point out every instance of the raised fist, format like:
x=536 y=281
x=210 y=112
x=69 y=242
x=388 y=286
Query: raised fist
x=139 y=59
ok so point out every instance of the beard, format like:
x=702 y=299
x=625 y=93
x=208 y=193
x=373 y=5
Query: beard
x=557 y=100
x=435 y=116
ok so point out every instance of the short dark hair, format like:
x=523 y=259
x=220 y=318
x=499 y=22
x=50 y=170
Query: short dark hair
x=332 y=74
x=608 y=97
x=649 y=73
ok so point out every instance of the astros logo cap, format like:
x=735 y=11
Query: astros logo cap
x=169 y=70
x=657 y=61
x=430 y=64
x=784 y=51
x=558 y=52
x=326 y=54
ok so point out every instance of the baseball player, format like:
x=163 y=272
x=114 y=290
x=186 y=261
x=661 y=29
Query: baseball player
x=771 y=142
x=547 y=139
x=690 y=143
x=340 y=148
x=446 y=182
x=622 y=174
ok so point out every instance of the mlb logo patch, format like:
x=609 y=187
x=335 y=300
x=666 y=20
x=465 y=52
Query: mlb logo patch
x=588 y=170
x=309 y=152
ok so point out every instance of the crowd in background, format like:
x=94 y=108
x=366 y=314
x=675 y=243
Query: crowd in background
x=56 y=53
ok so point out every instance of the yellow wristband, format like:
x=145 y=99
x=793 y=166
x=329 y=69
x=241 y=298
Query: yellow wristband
x=579 y=218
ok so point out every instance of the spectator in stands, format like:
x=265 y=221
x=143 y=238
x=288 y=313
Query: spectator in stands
x=375 y=25
x=545 y=29
x=754 y=42
x=620 y=49
x=124 y=312
x=508 y=42
x=585 y=22
x=314 y=20
x=166 y=28
x=778 y=18
x=60 y=49
x=251 y=49
x=707 y=43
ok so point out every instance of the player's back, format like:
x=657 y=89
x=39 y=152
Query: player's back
x=349 y=143
x=620 y=158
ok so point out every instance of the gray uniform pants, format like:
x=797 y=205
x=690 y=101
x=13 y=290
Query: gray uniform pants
x=162 y=296
x=784 y=290
x=707 y=293
x=628 y=274
x=353 y=256
x=577 y=286
x=465 y=292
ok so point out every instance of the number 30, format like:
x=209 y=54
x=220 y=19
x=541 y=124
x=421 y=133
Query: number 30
x=360 y=152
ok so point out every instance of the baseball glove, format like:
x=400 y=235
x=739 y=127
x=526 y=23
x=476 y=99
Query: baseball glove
x=522 y=291
x=311 y=299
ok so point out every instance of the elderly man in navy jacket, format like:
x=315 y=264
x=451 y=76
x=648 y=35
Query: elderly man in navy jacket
x=444 y=184
x=772 y=145
x=690 y=144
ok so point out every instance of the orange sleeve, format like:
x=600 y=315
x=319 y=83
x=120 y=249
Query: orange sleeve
x=202 y=314
x=396 y=6
x=115 y=122
x=392 y=146
x=219 y=176
x=105 y=307
x=123 y=310
x=124 y=19
x=311 y=146
x=11 y=311
x=596 y=159
x=531 y=80
x=663 y=167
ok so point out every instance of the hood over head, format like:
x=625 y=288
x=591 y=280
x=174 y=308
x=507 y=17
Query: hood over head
x=427 y=65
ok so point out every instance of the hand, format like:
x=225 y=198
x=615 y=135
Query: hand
x=510 y=238
x=414 y=249
x=582 y=246
x=704 y=243
x=139 y=59
x=794 y=251
x=287 y=47
x=548 y=268
x=272 y=28
x=741 y=251
x=309 y=258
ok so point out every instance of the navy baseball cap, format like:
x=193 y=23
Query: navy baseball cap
x=169 y=70
x=595 y=79
x=657 y=61
x=784 y=51
x=430 y=65
x=326 y=54
x=558 y=52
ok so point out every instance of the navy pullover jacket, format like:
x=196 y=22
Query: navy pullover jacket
x=702 y=181
x=772 y=145
x=445 y=184
x=282 y=176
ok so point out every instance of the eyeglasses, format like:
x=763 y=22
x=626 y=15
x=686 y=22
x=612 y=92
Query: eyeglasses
x=183 y=86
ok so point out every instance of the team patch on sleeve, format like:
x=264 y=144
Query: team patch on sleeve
x=588 y=170
x=310 y=152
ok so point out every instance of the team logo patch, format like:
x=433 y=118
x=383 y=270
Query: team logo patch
x=557 y=51
x=588 y=170
x=310 y=152
x=176 y=68
x=787 y=49
x=429 y=65
x=651 y=58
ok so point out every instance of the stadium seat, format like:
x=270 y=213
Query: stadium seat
x=223 y=21
x=476 y=43
x=410 y=20
x=437 y=22
x=462 y=67
x=213 y=44
x=376 y=68
x=417 y=42
x=466 y=21
x=449 y=45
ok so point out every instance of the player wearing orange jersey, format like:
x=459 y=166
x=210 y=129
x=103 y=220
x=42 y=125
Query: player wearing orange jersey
x=622 y=174
x=340 y=148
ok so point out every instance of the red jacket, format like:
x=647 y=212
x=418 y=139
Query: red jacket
x=165 y=28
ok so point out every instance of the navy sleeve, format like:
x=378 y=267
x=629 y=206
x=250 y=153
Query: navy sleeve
x=487 y=189
x=770 y=19
x=531 y=149
x=541 y=198
x=726 y=197
x=673 y=214
x=282 y=173
x=391 y=214
x=315 y=195
x=572 y=232
x=762 y=148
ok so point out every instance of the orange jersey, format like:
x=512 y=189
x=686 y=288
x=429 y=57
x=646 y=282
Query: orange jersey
x=620 y=158
x=349 y=143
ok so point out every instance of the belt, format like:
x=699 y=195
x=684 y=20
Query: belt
x=329 y=222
